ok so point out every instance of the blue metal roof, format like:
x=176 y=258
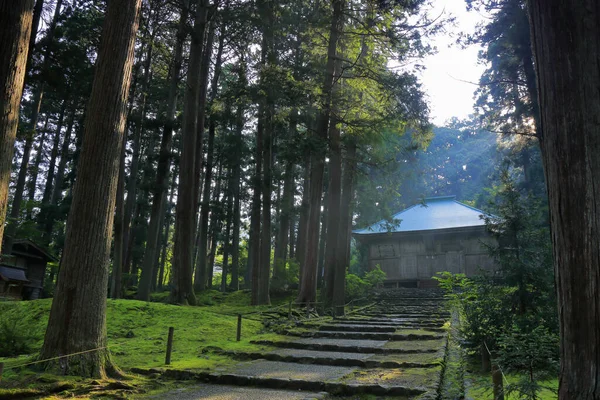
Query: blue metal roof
x=436 y=213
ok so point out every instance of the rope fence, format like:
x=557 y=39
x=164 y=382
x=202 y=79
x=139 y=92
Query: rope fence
x=4 y=366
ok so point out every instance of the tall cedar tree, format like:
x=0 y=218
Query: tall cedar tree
x=182 y=291
x=308 y=287
x=15 y=30
x=77 y=320
x=566 y=42
x=164 y=160
x=38 y=95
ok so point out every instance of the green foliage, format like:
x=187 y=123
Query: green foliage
x=19 y=329
x=533 y=355
x=513 y=311
x=375 y=277
x=357 y=288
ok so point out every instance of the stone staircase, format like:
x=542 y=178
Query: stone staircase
x=394 y=348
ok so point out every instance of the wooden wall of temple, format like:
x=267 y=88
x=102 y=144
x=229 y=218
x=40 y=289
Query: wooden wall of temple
x=420 y=256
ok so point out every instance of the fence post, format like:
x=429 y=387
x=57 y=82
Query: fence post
x=485 y=358
x=169 y=346
x=239 y=328
x=497 y=382
x=290 y=310
x=1 y=369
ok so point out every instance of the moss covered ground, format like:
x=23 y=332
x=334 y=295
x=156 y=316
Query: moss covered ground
x=137 y=335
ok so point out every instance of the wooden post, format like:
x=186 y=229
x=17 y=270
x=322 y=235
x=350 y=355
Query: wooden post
x=307 y=310
x=497 y=382
x=485 y=358
x=239 y=328
x=169 y=346
x=290 y=310
x=1 y=369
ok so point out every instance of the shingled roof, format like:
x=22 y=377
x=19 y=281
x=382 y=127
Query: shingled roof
x=435 y=213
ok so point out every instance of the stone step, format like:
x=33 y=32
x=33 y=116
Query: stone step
x=396 y=324
x=363 y=335
x=313 y=378
x=408 y=314
x=356 y=328
x=341 y=359
x=346 y=345
x=211 y=391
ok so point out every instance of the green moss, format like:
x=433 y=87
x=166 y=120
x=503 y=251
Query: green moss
x=137 y=334
x=415 y=344
x=420 y=358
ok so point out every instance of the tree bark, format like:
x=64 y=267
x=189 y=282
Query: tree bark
x=15 y=31
x=77 y=320
x=308 y=288
x=566 y=42
x=182 y=290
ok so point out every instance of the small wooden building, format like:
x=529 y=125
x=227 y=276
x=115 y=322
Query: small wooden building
x=22 y=272
x=439 y=235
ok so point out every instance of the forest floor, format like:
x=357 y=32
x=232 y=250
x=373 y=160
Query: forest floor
x=391 y=349
x=137 y=336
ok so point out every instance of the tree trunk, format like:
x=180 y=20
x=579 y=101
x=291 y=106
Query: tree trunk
x=77 y=320
x=118 y=250
x=37 y=14
x=566 y=44
x=200 y=281
x=53 y=156
x=239 y=128
x=130 y=202
x=227 y=238
x=15 y=31
x=303 y=218
x=292 y=253
x=215 y=226
x=342 y=259
x=334 y=195
x=59 y=181
x=182 y=290
x=37 y=102
x=254 y=239
x=35 y=168
x=287 y=204
x=323 y=220
x=164 y=159
x=165 y=244
x=308 y=288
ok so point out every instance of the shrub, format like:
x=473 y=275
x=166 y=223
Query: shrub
x=19 y=331
x=375 y=277
x=355 y=287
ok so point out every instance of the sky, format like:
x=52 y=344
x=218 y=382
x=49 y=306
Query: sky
x=446 y=72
